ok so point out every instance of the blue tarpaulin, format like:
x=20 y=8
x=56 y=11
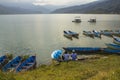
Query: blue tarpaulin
x=56 y=54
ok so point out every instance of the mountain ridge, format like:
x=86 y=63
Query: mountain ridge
x=97 y=7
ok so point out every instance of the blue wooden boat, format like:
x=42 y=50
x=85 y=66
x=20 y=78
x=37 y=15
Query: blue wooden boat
x=96 y=33
x=2 y=59
x=73 y=33
x=88 y=33
x=12 y=64
x=116 y=40
x=83 y=49
x=106 y=32
x=27 y=64
x=67 y=34
x=106 y=50
x=113 y=46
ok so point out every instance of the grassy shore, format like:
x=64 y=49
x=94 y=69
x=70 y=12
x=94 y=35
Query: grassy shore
x=105 y=68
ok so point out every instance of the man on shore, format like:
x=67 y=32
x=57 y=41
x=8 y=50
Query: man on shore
x=74 y=55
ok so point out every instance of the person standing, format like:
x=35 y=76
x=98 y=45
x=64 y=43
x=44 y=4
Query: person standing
x=74 y=55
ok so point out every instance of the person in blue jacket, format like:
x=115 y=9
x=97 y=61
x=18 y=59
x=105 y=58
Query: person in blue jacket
x=66 y=56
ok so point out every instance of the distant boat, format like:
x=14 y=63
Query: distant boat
x=96 y=33
x=27 y=64
x=113 y=46
x=92 y=20
x=106 y=32
x=73 y=33
x=12 y=64
x=82 y=49
x=88 y=33
x=70 y=34
x=106 y=50
x=67 y=34
x=116 y=40
x=77 y=20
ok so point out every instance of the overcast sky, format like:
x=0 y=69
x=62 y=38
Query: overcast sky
x=50 y=2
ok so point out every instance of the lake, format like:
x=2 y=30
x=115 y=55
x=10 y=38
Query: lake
x=41 y=34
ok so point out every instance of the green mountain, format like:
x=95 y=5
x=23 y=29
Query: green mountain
x=98 y=7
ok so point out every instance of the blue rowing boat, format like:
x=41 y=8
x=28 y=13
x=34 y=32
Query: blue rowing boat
x=113 y=46
x=67 y=34
x=27 y=64
x=116 y=40
x=106 y=50
x=73 y=33
x=2 y=59
x=12 y=64
x=82 y=49
x=96 y=33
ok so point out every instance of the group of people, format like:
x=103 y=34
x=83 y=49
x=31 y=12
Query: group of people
x=66 y=56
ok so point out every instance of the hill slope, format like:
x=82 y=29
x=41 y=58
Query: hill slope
x=18 y=10
x=104 y=6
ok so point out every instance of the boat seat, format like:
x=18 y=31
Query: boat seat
x=24 y=67
x=29 y=63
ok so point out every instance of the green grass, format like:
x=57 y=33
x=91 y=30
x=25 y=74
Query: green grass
x=90 y=69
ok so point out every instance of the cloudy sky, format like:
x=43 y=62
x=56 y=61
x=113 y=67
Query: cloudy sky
x=50 y=2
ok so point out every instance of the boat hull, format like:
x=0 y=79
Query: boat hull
x=111 y=51
x=83 y=49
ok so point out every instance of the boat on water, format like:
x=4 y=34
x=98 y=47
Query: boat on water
x=67 y=34
x=12 y=64
x=113 y=46
x=92 y=20
x=110 y=32
x=73 y=33
x=88 y=33
x=77 y=20
x=107 y=50
x=82 y=49
x=29 y=63
x=70 y=34
x=96 y=33
x=106 y=32
x=116 y=40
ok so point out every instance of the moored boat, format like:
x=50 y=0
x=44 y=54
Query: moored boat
x=2 y=59
x=92 y=20
x=96 y=33
x=106 y=32
x=12 y=64
x=77 y=20
x=113 y=46
x=88 y=33
x=73 y=33
x=27 y=64
x=67 y=34
x=82 y=49
x=116 y=40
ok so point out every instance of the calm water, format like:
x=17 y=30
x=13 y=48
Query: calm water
x=41 y=34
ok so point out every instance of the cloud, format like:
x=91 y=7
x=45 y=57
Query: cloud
x=46 y=2
x=60 y=2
